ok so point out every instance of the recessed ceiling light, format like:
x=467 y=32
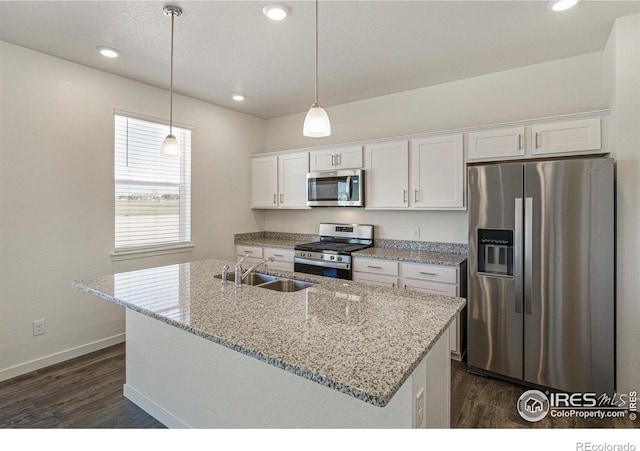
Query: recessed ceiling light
x=238 y=97
x=276 y=11
x=561 y=5
x=108 y=51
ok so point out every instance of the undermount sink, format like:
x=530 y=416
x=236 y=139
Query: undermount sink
x=270 y=282
x=287 y=285
x=252 y=279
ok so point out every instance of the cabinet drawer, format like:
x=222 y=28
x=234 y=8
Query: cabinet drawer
x=375 y=266
x=436 y=273
x=283 y=255
x=254 y=251
x=375 y=279
x=429 y=287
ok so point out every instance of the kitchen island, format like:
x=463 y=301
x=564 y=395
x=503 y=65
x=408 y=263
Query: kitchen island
x=202 y=353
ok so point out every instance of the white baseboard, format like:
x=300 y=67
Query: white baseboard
x=52 y=359
x=152 y=408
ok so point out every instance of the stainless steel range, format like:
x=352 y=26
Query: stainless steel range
x=331 y=256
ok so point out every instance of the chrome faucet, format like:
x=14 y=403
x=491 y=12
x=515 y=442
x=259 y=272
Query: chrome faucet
x=238 y=271
x=240 y=276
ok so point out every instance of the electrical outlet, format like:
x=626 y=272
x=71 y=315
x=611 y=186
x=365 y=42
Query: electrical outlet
x=38 y=327
x=415 y=234
x=419 y=409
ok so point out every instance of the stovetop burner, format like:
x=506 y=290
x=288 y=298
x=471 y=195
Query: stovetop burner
x=332 y=246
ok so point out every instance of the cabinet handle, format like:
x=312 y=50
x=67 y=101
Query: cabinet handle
x=519 y=142
x=537 y=145
x=274 y=199
x=428 y=273
x=281 y=197
x=393 y=284
x=278 y=255
x=405 y=286
x=333 y=158
x=248 y=252
x=374 y=267
x=404 y=196
x=415 y=196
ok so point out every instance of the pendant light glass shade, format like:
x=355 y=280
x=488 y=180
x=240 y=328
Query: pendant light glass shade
x=316 y=124
x=170 y=146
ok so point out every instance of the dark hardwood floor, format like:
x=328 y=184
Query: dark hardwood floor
x=86 y=392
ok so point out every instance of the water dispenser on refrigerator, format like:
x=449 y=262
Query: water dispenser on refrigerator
x=495 y=252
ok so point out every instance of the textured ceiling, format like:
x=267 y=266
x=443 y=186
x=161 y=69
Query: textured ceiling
x=367 y=48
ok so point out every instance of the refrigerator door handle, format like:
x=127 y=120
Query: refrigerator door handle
x=528 y=256
x=517 y=258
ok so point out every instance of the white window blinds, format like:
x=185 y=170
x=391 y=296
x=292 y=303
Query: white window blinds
x=152 y=192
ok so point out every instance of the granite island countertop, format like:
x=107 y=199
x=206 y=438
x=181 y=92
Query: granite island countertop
x=361 y=340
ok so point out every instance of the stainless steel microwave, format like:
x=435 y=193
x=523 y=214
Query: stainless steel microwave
x=336 y=188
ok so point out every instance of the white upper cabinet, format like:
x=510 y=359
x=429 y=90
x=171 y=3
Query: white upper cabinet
x=386 y=177
x=437 y=172
x=346 y=157
x=280 y=181
x=264 y=182
x=569 y=136
x=538 y=140
x=496 y=144
x=292 y=180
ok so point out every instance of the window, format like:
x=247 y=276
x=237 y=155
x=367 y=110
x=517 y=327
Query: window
x=152 y=192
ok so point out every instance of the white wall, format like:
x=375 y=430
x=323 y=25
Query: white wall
x=559 y=87
x=57 y=196
x=623 y=89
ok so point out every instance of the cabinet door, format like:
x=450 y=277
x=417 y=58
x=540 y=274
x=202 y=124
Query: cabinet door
x=292 y=180
x=349 y=157
x=442 y=289
x=437 y=172
x=496 y=144
x=387 y=175
x=264 y=182
x=568 y=136
x=322 y=160
x=375 y=279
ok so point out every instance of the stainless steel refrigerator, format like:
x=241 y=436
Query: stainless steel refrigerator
x=541 y=273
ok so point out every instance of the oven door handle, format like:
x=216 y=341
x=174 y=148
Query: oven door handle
x=336 y=265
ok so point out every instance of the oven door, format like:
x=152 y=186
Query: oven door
x=319 y=268
x=335 y=189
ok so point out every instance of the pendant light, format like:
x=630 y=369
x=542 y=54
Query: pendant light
x=170 y=146
x=316 y=124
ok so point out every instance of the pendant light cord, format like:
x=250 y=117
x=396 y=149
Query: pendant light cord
x=173 y=16
x=316 y=102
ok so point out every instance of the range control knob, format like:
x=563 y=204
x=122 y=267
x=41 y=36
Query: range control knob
x=332 y=257
x=339 y=259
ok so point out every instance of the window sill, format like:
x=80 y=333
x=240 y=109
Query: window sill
x=154 y=251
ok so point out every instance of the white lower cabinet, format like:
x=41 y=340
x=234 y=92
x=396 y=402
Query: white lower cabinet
x=434 y=279
x=254 y=254
x=283 y=258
